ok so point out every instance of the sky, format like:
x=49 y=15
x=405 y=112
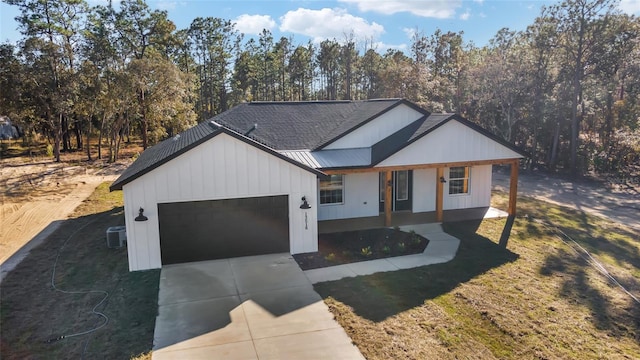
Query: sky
x=389 y=24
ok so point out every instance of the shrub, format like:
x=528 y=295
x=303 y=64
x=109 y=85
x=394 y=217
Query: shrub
x=366 y=251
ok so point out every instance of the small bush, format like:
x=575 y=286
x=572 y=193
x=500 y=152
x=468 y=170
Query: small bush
x=366 y=251
x=330 y=257
x=386 y=249
x=401 y=246
x=50 y=150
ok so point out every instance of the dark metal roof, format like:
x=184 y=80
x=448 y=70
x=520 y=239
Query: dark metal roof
x=171 y=148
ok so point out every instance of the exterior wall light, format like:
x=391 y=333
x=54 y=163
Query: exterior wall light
x=305 y=205
x=141 y=216
x=442 y=179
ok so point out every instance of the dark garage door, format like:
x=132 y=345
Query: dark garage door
x=218 y=229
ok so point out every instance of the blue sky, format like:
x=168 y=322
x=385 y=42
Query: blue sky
x=387 y=23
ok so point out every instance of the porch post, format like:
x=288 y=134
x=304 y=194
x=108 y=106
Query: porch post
x=439 y=195
x=388 y=197
x=513 y=188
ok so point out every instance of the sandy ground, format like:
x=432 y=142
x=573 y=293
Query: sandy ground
x=36 y=196
x=620 y=204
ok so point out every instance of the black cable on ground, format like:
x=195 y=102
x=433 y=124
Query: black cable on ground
x=93 y=310
x=585 y=255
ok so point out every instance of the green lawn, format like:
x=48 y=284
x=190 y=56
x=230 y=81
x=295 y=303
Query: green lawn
x=538 y=299
x=33 y=315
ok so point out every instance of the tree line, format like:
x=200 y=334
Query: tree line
x=566 y=89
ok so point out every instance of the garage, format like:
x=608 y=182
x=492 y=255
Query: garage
x=217 y=229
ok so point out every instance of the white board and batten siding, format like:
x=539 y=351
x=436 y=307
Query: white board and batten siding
x=377 y=129
x=452 y=142
x=360 y=198
x=361 y=194
x=220 y=168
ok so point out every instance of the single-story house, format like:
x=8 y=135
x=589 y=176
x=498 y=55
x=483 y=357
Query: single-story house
x=259 y=178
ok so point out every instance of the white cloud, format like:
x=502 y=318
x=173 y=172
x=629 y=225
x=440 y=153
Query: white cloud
x=440 y=9
x=479 y=1
x=410 y=32
x=466 y=15
x=254 y=24
x=630 y=6
x=328 y=24
x=166 y=5
x=382 y=48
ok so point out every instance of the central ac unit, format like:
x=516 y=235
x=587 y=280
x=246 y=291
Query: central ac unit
x=116 y=237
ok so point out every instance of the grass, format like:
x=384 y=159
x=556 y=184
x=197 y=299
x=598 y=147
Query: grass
x=33 y=315
x=538 y=299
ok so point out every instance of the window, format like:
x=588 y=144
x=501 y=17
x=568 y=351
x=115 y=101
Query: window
x=459 y=180
x=402 y=185
x=332 y=190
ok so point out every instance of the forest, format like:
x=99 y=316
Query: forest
x=566 y=89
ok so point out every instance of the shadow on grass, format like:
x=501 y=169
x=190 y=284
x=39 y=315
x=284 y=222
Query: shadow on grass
x=610 y=244
x=32 y=313
x=379 y=296
x=576 y=284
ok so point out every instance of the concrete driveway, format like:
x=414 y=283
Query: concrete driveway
x=258 y=307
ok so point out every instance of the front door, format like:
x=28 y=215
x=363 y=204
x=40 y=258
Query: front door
x=402 y=182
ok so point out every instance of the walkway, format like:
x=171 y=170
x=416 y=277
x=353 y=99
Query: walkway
x=442 y=247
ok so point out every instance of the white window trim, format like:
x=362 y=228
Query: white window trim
x=344 y=177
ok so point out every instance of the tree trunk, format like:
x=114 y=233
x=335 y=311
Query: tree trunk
x=100 y=136
x=77 y=130
x=554 y=147
x=57 y=129
x=89 y=142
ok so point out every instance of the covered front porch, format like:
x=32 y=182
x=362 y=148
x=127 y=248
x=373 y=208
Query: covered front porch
x=404 y=218
x=433 y=184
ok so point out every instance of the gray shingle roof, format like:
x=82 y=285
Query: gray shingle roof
x=286 y=126
x=304 y=125
x=169 y=149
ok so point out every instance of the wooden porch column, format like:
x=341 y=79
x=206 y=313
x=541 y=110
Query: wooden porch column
x=513 y=188
x=388 y=197
x=439 y=194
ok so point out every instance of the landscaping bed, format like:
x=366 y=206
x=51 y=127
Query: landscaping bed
x=362 y=245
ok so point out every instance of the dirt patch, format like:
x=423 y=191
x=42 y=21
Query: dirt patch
x=39 y=322
x=353 y=246
x=618 y=202
x=37 y=192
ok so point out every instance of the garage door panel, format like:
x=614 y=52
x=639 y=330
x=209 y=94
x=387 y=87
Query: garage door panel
x=206 y=230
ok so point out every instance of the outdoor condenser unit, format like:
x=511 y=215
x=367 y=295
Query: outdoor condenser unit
x=116 y=237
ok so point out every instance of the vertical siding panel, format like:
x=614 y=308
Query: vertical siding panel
x=424 y=190
x=285 y=179
x=208 y=169
x=263 y=168
x=184 y=185
x=162 y=188
x=219 y=172
x=173 y=182
x=243 y=168
x=231 y=167
x=254 y=179
x=196 y=175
